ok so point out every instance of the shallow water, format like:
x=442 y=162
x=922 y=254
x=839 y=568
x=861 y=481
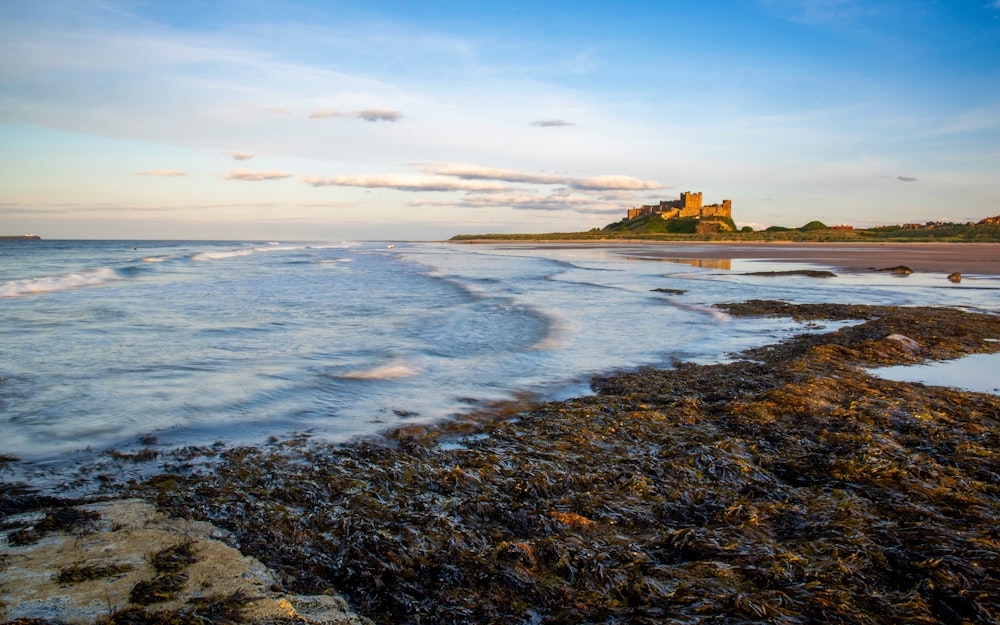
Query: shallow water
x=978 y=372
x=198 y=342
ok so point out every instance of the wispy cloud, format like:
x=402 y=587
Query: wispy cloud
x=475 y=172
x=556 y=123
x=596 y=183
x=369 y=115
x=616 y=183
x=239 y=156
x=908 y=178
x=243 y=174
x=162 y=173
x=528 y=202
x=404 y=183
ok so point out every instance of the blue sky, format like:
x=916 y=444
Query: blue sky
x=419 y=120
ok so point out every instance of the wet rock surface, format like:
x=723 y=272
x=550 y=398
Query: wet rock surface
x=126 y=563
x=788 y=486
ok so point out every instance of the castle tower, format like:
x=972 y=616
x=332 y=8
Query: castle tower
x=691 y=200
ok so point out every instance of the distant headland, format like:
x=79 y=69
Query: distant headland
x=688 y=219
x=28 y=237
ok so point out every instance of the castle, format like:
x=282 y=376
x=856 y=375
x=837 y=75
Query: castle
x=688 y=206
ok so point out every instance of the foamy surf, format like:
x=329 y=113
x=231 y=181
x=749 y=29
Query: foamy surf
x=390 y=371
x=53 y=284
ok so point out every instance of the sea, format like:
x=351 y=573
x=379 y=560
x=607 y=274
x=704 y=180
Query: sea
x=127 y=345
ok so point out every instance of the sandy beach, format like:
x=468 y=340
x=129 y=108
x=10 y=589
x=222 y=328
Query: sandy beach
x=946 y=258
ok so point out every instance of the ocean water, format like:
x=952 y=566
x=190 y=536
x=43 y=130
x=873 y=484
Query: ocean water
x=105 y=344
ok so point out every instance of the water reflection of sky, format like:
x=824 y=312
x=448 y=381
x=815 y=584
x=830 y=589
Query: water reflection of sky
x=972 y=373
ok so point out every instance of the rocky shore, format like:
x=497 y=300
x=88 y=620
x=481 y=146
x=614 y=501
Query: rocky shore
x=787 y=486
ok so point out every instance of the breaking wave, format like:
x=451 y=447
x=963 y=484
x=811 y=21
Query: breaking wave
x=53 y=284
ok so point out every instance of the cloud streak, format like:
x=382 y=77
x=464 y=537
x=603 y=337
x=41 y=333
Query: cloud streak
x=239 y=156
x=554 y=123
x=404 y=183
x=368 y=115
x=162 y=173
x=596 y=183
x=255 y=176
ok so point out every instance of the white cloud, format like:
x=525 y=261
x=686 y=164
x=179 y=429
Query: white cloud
x=162 y=173
x=243 y=174
x=239 y=156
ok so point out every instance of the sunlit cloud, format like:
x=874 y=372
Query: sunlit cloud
x=162 y=173
x=239 y=156
x=368 y=115
x=243 y=174
x=404 y=183
x=279 y=110
x=616 y=183
x=554 y=123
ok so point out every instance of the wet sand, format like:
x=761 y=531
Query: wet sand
x=964 y=258
x=946 y=258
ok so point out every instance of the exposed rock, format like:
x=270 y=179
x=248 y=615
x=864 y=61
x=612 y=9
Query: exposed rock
x=809 y=273
x=115 y=554
x=902 y=270
x=910 y=345
x=955 y=277
x=671 y=291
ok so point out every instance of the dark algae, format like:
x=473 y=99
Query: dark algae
x=788 y=486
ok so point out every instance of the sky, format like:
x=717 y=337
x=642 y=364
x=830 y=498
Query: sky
x=419 y=120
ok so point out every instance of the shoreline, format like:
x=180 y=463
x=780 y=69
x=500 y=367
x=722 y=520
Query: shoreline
x=928 y=257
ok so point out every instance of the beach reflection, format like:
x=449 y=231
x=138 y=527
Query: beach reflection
x=706 y=263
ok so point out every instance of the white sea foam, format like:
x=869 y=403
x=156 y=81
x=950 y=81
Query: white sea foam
x=51 y=284
x=711 y=311
x=203 y=256
x=389 y=371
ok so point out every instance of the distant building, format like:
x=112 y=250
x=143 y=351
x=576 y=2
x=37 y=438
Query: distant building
x=689 y=205
x=842 y=227
x=991 y=220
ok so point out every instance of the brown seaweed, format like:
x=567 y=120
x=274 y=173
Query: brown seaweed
x=77 y=573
